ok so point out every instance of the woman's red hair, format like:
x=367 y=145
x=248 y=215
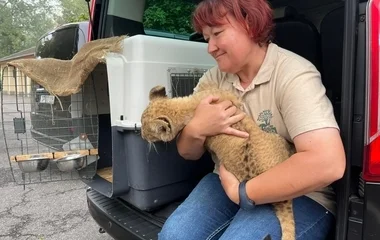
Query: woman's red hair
x=254 y=15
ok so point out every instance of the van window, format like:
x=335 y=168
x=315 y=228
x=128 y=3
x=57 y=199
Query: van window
x=170 y=16
x=61 y=44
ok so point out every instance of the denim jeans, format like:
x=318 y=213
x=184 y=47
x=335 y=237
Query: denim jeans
x=209 y=214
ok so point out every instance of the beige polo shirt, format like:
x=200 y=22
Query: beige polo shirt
x=286 y=97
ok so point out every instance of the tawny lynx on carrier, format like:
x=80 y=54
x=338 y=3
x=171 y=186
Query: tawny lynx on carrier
x=165 y=117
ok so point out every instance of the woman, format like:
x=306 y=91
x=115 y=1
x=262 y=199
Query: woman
x=284 y=94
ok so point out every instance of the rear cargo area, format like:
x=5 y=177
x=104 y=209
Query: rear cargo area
x=142 y=174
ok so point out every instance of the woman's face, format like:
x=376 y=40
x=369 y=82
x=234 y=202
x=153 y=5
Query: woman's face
x=229 y=44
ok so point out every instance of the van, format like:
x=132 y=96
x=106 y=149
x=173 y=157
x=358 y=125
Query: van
x=136 y=189
x=54 y=123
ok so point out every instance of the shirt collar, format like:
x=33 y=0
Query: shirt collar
x=265 y=72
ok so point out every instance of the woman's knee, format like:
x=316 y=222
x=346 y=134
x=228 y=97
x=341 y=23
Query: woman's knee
x=258 y=223
x=204 y=213
x=189 y=228
x=173 y=230
x=187 y=224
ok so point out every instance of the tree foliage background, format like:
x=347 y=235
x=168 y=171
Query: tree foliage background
x=23 y=22
x=169 y=15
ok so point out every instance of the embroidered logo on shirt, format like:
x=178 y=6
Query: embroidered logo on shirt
x=265 y=117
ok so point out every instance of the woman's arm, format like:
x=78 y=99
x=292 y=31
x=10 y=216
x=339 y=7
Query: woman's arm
x=319 y=161
x=190 y=143
x=309 y=118
x=209 y=119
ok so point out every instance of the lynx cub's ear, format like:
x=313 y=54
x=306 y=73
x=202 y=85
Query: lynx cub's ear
x=157 y=92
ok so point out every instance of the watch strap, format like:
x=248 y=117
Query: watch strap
x=244 y=201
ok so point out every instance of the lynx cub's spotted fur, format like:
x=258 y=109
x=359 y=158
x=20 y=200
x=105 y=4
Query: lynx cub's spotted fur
x=246 y=158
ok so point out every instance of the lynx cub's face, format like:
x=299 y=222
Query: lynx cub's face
x=156 y=123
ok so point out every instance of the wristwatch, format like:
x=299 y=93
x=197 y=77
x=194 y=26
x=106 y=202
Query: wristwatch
x=244 y=201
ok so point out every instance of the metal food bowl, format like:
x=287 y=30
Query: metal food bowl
x=36 y=164
x=70 y=162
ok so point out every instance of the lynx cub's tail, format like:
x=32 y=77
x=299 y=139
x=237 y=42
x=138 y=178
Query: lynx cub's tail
x=284 y=212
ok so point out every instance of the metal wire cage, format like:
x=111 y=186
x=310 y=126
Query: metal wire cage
x=48 y=138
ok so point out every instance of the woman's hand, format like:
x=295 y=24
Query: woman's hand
x=230 y=184
x=215 y=118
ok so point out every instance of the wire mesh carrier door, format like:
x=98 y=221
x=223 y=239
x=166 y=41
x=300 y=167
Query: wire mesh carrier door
x=184 y=80
x=48 y=138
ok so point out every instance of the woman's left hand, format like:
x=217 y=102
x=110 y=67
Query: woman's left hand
x=230 y=184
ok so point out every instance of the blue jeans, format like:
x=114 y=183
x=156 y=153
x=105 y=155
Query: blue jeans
x=209 y=214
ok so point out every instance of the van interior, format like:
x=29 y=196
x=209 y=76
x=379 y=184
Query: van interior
x=313 y=29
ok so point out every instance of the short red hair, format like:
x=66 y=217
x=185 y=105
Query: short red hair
x=256 y=13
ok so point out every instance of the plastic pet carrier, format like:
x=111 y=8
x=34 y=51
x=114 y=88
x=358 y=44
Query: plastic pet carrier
x=144 y=175
x=122 y=70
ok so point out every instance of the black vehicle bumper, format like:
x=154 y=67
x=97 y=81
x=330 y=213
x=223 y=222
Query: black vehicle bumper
x=364 y=215
x=119 y=220
x=371 y=215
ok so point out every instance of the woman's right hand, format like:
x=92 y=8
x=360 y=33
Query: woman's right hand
x=215 y=118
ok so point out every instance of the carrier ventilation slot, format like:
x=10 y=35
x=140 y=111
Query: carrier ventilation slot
x=183 y=81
